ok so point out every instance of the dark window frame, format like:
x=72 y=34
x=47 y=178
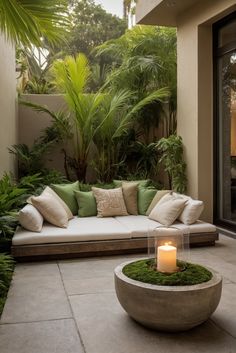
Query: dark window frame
x=218 y=52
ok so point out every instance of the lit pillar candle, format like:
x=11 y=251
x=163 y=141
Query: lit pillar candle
x=166 y=258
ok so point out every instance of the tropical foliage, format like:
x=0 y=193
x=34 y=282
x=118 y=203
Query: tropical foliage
x=13 y=196
x=145 y=60
x=27 y=22
x=90 y=25
x=98 y=121
x=6 y=270
x=171 y=150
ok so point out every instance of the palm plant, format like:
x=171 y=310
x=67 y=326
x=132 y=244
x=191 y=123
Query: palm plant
x=109 y=138
x=144 y=61
x=100 y=118
x=28 y=21
x=96 y=120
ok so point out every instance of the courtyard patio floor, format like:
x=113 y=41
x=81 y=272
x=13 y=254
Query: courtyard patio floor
x=70 y=307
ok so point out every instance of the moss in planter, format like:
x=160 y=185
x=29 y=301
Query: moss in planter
x=144 y=271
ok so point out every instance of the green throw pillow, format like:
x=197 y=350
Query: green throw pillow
x=66 y=193
x=87 y=203
x=145 y=197
x=141 y=183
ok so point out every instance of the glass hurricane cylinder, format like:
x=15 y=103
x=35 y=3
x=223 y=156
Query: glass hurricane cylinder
x=168 y=246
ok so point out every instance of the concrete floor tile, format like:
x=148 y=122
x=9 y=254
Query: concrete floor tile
x=91 y=276
x=40 y=337
x=92 y=268
x=90 y=285
x=216 y=263
x=36 y=270
x=106 y=328
x=225 y=315
x=33 y=299
x=37 y=294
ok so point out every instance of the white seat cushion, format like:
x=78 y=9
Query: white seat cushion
x=139 y=226
x=79 y=229
x=197 y=227
x=93 y=228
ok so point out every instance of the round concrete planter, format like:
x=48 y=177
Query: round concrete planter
x=167 y=308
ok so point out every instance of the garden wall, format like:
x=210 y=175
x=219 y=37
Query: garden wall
x=31 y=124
x=8 y=129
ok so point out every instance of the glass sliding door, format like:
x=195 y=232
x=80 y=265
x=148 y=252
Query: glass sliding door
x=225 y=114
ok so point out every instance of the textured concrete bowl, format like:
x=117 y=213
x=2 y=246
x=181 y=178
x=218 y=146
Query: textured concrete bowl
x=167 y=308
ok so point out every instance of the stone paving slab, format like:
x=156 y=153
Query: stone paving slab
x=106 y=328
x=51 y=305
x=90 y=276
x=34 y=299
x=89 y=285
x=222 y=266
x=225 y=314
x=58 y=336
x=36 y=270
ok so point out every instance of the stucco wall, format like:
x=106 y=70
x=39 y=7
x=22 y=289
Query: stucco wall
x=195 y=94
x=8 y=119
x=31 y=123
x=193 y=19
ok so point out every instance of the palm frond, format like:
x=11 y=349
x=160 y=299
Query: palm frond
x=27 y=21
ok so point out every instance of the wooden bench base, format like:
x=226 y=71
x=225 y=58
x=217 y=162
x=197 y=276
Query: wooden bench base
x=97 y=248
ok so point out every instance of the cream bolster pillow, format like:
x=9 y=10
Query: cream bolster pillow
x=191 y=211
x=109 y=202
x=167 y=210
x=51 y=210
x=30 y=218
x=49 y=191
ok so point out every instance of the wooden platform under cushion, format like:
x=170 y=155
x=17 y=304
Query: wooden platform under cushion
x=97 y=248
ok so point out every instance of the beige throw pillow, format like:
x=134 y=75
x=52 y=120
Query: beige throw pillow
x=130 y=193
x=167 y=210
x=51 y=210
x=191 y=211
x=49 y=191
x=157 y=198
x=30 y=218
x=109 y=202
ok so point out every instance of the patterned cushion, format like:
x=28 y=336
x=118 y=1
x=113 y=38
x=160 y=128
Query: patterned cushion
x=110 y=202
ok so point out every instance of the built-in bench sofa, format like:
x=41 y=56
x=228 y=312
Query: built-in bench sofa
x=93 y=236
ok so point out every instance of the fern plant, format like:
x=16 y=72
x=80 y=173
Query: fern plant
x=6 y=270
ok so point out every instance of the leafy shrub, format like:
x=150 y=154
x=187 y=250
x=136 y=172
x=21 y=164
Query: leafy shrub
x=171 y=149
x=13 y=197
x=6 y=270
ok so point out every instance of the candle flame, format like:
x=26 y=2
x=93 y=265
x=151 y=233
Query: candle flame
x=168 y=243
